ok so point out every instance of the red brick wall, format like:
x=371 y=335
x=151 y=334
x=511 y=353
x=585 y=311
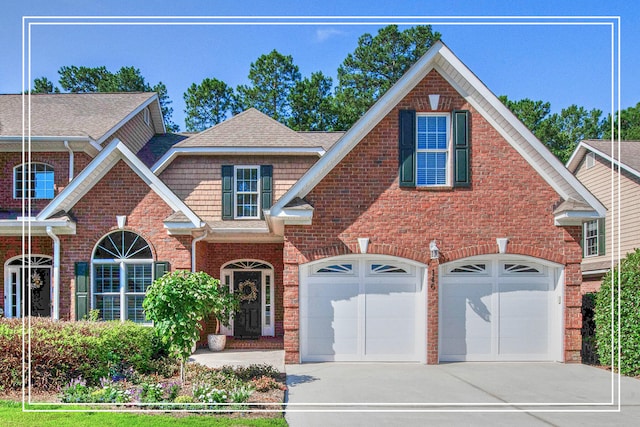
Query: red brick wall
x=360 y=197
x=120 y=192
x=212 y=256
x=60 y=163
x=591 y=284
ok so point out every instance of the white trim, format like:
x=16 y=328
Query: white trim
x=174 y=152
x=479 y=96
x=99 y=167
x=9 y=297
x=595 y=272
x=573 y=161
x=266 y=330
x=131 y=115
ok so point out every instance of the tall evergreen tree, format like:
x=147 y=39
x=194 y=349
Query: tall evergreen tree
x=207 y=104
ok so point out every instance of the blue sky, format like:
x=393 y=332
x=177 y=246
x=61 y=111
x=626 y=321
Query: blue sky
x=562 y=64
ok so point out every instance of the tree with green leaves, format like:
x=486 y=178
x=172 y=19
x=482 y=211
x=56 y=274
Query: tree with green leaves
x=375 y=65
x=177 y=303
x=98 y=79
x=560 y=132
x=312 y=106
x=207 y=104
x=272 y=76
x=44 y=85
x=629 y=124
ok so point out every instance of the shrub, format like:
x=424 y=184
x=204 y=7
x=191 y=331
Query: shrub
x=629 y=338
x=247 y=373
x=265 y=383
x=62 y=351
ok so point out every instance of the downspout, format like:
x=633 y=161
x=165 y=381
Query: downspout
x=66 y=145
x=193 y=249
x=56 y=273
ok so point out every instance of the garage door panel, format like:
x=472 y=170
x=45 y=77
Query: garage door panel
x=369 y=316
x=503 y=316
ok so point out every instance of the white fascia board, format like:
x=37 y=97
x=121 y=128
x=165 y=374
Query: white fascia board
x=518 y=126
x=595 y=272
x=157 y=185
x=180 y=228
x=360 y=128
x=170 y=155
x=576 y=157
x=575 y=217
x=129 y=117
x=99 y=167
x=12 y=138
x=237 y=230
x=103 y=162
x=617 y=163
x=14 y=227
x=294 y=216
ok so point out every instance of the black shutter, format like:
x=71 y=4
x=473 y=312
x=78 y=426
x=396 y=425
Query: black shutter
x=407 y=148
x=160 y=268
x=82 y=290
x=266 y=188
x=227 y=192
x=602 y=243
x=461 y=152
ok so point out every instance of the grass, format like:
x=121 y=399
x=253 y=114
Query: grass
x=11 y=415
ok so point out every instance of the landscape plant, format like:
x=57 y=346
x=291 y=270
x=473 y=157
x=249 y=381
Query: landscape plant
x=625 y=331
x=177 y=303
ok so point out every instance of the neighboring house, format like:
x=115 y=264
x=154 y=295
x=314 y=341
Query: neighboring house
x=608 y=177
x=437 y=228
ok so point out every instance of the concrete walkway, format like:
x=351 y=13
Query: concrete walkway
x=457 y=394
x=218 y=359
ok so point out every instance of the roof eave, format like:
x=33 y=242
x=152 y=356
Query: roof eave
x=572 y=218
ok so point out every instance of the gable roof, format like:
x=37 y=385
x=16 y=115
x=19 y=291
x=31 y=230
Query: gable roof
x=628 y=158
x=94 y=116
x=249 y=133
x=98 y=168
x=440 y=58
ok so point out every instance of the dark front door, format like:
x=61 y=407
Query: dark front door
x=248 y=321
x=38 y=287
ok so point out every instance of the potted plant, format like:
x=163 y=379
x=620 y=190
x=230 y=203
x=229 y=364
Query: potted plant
x=178 y=301
x=223 y=310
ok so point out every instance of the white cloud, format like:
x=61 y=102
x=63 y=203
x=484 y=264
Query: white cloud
x=324 y=34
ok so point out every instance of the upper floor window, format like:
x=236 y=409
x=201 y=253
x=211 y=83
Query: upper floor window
x=432 y=150
x=33 y=180
x=247 y=191
x=146 y=116
x=593 y=243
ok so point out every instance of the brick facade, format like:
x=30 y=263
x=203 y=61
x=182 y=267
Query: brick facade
x=120 y=192
x=360 y=197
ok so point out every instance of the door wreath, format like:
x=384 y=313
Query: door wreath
x=248 y=290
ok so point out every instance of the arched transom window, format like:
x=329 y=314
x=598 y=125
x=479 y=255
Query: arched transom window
x=122 y=272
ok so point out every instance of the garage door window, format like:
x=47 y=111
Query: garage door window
x=520 y=269
x=387 y=269
x=336 y=269
x=470 y=269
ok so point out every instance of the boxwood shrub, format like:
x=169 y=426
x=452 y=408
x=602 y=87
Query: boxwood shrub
x=62 y=351
x=629 y=338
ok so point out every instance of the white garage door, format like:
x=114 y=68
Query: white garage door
x=500 y=308
x=367 y=308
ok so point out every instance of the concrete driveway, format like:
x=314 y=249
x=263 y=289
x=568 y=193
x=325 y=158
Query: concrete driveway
x=457 y=394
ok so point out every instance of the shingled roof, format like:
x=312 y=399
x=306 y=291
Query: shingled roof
x=90 y=115
x=251 y=128
x=629 y=151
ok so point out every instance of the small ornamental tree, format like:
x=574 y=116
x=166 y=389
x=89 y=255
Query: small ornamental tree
x=606 y=317
x=178 y=301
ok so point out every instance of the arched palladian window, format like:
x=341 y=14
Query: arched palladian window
x=33 y=180
x=122 y=267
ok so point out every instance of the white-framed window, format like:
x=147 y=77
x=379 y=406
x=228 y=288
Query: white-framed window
x=591 y=234
x=122 y=267
x=433 y=150
x=247 y=192
x=590 y=160
x=33 y=180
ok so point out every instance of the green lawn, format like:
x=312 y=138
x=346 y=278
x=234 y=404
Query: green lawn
x=11 y=415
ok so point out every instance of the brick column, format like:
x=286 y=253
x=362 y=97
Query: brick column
x=432 y=311
x=572 y=295
x=291 y=314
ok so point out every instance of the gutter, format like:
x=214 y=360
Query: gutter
x=71 y=156
x=56 y=273
x=193 y=249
